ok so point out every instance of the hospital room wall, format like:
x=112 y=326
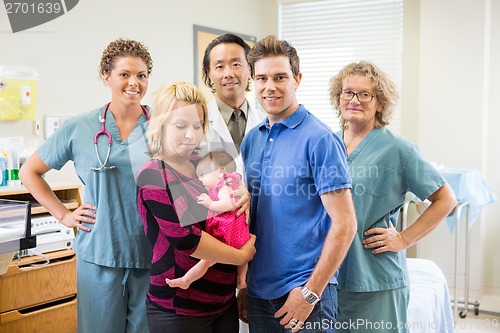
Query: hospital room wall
x=66 y=51
x=451 y=110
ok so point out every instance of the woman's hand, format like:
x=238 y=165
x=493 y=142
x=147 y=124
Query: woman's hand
x=85 y=213
x=248 y=250
x=384 y=239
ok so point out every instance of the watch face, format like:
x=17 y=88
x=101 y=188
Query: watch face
x=311 y=298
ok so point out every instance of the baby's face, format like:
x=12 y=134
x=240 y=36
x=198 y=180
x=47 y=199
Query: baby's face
x=206 y=174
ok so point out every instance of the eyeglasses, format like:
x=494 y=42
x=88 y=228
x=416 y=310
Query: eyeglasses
x=363 y=96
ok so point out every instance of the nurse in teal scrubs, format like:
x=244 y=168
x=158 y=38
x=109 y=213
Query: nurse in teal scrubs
x=373 y=288
x=113 y=253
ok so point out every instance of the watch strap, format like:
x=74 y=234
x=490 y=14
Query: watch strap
x=311 y=297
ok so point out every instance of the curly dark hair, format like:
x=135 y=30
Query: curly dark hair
x=122 y=47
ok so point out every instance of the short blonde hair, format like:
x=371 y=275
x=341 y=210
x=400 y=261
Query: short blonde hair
x=383 y=87
x=164 y=102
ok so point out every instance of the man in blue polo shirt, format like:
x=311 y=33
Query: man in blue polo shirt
x=297 y=173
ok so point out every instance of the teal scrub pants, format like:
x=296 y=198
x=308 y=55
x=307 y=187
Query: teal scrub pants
x=111 y=300
x=370 y=312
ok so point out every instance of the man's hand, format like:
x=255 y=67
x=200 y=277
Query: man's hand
x=295 y=311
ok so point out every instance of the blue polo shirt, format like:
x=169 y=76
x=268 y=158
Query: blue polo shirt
x=287 y=167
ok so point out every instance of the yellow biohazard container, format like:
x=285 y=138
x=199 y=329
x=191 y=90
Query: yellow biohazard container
x=17 y=93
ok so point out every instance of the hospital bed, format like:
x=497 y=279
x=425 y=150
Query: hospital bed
x=456 y=216
x=430 y=306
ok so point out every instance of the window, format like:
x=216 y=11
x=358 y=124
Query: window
x=329 y=34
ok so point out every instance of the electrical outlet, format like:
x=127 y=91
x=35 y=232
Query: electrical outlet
x=36 y=127
x=52 y=124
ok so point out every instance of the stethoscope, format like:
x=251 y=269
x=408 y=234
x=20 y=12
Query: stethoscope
x=104 y=166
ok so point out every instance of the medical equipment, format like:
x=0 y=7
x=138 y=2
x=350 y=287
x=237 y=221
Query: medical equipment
x=51 y=234
x=102 y=119
x=15 y=231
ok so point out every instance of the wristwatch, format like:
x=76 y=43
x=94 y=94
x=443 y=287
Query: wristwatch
x=311 y=297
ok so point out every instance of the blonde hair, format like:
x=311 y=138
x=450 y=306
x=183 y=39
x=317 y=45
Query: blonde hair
x=383 y=88
x=164 y=100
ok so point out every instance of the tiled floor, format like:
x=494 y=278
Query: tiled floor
x=490 y=303
x=488 y=320
x=481 y=323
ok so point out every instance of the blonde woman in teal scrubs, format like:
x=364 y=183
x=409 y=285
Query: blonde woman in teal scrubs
x=373 y=280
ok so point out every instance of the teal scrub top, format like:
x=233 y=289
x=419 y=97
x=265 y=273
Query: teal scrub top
x=117 y=238
x=384 y=167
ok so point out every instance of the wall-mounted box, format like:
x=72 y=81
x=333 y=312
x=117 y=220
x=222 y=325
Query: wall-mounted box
x=18 y=91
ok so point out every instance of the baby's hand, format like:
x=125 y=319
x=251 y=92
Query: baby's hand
x=204 y=199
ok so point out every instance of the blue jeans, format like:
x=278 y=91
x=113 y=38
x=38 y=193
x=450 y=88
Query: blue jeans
x=322 y=318
x=160 y=321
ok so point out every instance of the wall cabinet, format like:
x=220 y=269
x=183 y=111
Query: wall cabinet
x=35 y=297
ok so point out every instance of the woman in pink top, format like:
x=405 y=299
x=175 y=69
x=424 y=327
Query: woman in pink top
x=217 y=172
